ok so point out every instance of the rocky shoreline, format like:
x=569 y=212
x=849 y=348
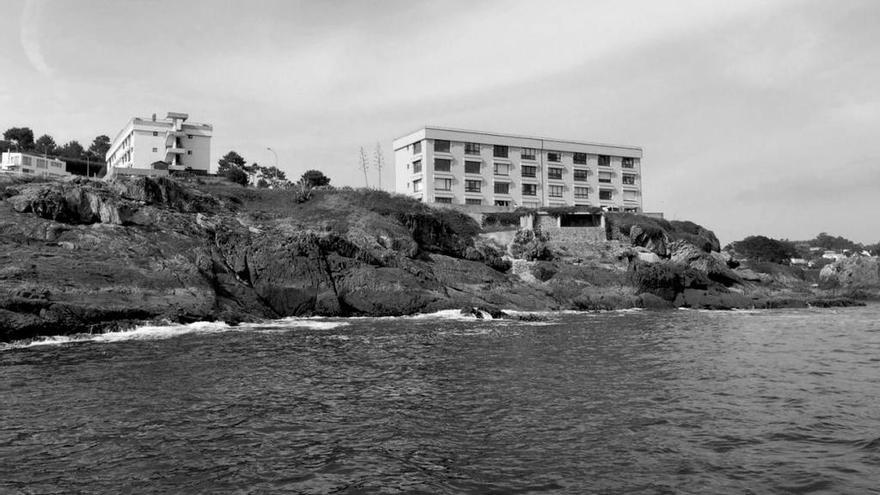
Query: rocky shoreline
x=82 y=256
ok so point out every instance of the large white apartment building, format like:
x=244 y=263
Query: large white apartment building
x=32 y=164
x=157 y=146
x=441 y=165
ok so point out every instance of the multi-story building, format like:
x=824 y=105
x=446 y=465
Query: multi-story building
x=440 y=165
x=32 y=164
x=157 y=146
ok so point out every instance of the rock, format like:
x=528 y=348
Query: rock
x=711 y=299
x=713 y=264
x=648 y=257
x=860 y=273
x=650 y=301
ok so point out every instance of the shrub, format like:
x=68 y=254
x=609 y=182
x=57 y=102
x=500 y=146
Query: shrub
x=531 y=245
x=236 y=175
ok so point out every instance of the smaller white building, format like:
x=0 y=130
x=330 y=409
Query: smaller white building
x=159 y=146
x=32 y=164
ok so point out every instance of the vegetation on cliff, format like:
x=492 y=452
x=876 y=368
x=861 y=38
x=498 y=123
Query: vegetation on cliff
x=82 y=255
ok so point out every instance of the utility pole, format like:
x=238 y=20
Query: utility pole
x=380 y=162
x=364 y=166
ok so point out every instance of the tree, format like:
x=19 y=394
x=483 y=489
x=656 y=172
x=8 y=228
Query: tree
x=828 y=242
x=72 y=149
x=6 y=145
x=237 y=175
x=273 y=173
x=314 y=178
x=760 y=248
x=46 y=145
x=231 y=160
x=100 y=146
x=23 y=137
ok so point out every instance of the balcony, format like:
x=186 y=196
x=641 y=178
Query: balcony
x=174 y=150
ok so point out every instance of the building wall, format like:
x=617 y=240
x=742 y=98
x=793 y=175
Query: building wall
x=624 y=196
x=28 y=164
x=142 y=142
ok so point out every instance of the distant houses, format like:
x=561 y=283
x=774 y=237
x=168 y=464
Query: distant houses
x=29 y=164
x=155 y=147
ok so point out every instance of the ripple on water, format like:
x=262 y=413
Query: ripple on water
x=623 y=402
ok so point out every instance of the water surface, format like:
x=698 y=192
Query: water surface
x=784 y=401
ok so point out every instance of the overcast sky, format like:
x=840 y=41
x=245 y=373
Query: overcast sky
x=756 y=116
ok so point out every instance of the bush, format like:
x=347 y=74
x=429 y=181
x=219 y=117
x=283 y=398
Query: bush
x=531 y=245
x=502 y=219
x=236 y=175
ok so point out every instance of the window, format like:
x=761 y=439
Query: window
x=502 y=169
x=604 y=161
x=554 y=156
x=606 y=194
x=500 y=202
x=189 y=136
x=580 y=158
x=155 y=150
x=530 y=189
x=441 y=146
x=628 y=162
x=443 y=184
x=417 y=166
x=189 y=152
x=554 y=173
x=442 y=164
x=499 y=151
x=417 y=147
x=605 y=177
x=529 y=171
x=26 y=160
x=502 y=188
x=470 y=201
x=155 y=133
x=528 y=154
x=471 y=148
x=580 y=175
x=443 y=200
x=630 y=196
x=581 y=192
x=554 y=191
x=471 y=167
x=472 y=185
x=41 y=163
x=629 y=179
x=417 y=185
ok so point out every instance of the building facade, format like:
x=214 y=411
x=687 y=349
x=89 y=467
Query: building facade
x=441 y=165
x=32 y=164
x=157 y=146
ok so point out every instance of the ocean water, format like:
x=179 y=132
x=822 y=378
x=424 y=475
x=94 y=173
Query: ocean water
x=777 y=401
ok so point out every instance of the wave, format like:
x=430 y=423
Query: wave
x=160 y=332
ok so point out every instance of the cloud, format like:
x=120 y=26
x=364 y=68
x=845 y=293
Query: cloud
x=30 y=36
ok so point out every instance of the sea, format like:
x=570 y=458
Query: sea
x=633 y=402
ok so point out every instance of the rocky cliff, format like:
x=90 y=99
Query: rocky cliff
x=88 y=256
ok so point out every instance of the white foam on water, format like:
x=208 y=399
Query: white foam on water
x=313 y=323
x=160 y=332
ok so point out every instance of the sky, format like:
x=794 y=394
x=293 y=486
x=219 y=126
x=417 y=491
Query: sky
x=756 y=117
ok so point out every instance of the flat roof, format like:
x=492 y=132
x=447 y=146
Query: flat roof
x=517 y=136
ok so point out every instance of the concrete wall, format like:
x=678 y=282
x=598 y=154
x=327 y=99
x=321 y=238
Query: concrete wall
x=574 y=235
